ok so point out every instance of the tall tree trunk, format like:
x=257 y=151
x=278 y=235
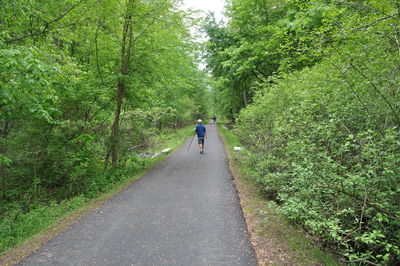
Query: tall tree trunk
x=115 y=127
x=4 y=132
x=126 y=45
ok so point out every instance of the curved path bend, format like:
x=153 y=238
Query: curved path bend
x=185 y=211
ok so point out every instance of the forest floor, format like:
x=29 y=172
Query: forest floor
x=275 y=240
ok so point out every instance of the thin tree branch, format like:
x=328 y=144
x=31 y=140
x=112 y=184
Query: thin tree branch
x=379 y=92
x=369 y=7
x=370 y=204
x=46 y=27
x=353 y=89
x=97 y=50
x=371 y=23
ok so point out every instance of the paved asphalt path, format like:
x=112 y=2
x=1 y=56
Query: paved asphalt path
x=183 y=212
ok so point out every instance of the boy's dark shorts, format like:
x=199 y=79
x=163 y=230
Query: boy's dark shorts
x=201 y=140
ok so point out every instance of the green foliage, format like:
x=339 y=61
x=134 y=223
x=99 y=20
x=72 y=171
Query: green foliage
x=60 y=65
x=262 y=39
x=322 y=132
x=17 y=227
x=307 y=252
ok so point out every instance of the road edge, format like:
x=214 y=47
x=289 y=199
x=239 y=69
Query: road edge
x=236 y=183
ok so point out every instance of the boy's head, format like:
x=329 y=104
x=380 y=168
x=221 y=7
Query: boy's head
x=199 y=121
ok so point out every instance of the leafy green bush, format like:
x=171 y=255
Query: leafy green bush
x=326 y=146
x=314 y=88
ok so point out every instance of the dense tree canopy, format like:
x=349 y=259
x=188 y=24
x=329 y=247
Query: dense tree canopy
x=262 y=39
x=314 y=88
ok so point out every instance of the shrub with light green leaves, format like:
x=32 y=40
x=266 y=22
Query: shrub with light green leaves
x=325 y=143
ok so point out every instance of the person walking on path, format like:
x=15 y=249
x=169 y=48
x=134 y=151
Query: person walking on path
x=159 y=220
x=201 y=132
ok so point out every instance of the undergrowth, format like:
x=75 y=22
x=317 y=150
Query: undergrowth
x=270 y=223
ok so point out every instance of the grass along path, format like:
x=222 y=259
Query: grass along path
x=275 y=240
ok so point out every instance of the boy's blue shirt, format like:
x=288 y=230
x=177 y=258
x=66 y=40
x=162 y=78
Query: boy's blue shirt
x=200 y=130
